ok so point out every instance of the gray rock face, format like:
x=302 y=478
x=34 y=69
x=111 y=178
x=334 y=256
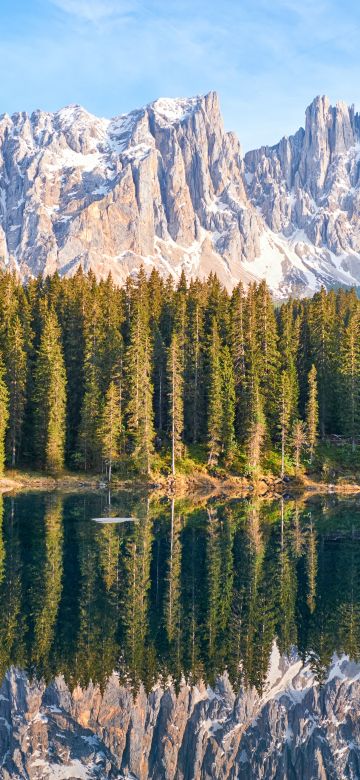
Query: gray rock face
x=307 y=189
x=161 y=185
x=167 y=187
x=296 y=729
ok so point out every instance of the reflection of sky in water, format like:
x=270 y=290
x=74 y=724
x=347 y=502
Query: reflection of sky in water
x=190 y=589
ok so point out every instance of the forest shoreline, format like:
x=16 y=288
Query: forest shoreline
x=198 y=484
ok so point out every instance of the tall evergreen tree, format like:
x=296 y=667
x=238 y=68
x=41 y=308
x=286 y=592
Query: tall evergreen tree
x=176 y=405
x=298 y=440
x=139 y=380
x=323 y=334
x=228 y=403
x=312 y=412
x=268 y=368
x=111 y=426
x=16 y=377
x=350 y=377
x=256 y=427
x=159 y=380
x=4 y=415
x=50 y=397
x=238 y=350
x=89 y=442
x=285 y=410
x=214 y=396
x=194 y=365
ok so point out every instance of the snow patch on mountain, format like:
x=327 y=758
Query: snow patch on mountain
x=168 y=187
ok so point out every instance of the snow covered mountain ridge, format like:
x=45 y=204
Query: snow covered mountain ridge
x=165 y=186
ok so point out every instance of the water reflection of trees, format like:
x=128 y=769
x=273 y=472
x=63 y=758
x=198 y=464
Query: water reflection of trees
x=184 y=591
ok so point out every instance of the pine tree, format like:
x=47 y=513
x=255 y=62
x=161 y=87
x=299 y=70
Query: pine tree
x=214 y=397
x=4 y=416
x=312 y=412
x=111 y=426
x=285 y=410
x=16 y=376
x=350 y=377
x=139 y=375
x=256 y=427
x=268 y=368
x=194 y=365
x=228 y=403
x=50 y=397
x=176 y=405
x=89 y=442
x=74 y=308
x=252 y=362
x=323 y=341
x=289 y=328
x=159 y=380
x=238 y=350
x=298 y=441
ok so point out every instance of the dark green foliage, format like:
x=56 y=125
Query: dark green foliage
x=4 y=416
x=50 y=397
x=192 y=367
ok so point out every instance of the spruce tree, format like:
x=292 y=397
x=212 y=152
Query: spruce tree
x=194 y=364
x=324 y=348
x=289 y=328
x=256 y=427
x=298 y=441
x=228 y=404
x=89 y=442
x=111 y=426
x=16 y=378
x=139 y=380
x=74 y=310
x=312 y=412
x=285 y=410
x=267 y=339
x=349 y=370
x=252 y=362
x=214 y=397
x=238 y=350
x=176 y=405
x=159 y=380
x=4 y=415
x=50 y=397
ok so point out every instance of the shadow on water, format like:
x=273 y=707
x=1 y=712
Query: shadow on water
x=186 y=590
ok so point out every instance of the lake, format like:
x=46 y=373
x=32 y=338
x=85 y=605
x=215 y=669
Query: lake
x=188 y=591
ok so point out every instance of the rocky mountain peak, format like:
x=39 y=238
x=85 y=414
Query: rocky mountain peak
x=166 y=186
x=330 y=131
x=306 y=188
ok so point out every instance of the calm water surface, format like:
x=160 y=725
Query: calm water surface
x=187 y=589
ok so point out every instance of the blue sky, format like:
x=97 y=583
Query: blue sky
x=267 y=60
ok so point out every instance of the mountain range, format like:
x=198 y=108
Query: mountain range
x=295 y=729
x=166 y=187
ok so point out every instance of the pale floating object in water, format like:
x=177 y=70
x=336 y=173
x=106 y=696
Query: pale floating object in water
x=104 y=520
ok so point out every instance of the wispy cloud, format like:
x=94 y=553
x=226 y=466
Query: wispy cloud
x=96 y=10
x=266 y=59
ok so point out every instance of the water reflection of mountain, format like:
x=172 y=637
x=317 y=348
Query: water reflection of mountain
x=188 y=590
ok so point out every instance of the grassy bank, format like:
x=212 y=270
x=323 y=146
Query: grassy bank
x=336 y=467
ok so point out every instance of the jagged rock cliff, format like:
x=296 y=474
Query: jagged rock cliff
x=295 y=729
x=166 y=186
x=161 y=186
x=307 y=187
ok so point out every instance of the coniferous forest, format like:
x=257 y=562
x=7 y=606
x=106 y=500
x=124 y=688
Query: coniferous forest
x=129 y=380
